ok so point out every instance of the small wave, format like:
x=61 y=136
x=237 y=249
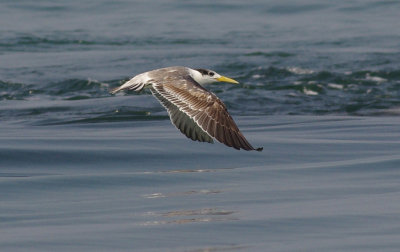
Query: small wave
x=374 y=78
x=309 y=92
x=105 y=117
x=73 y=89
x=295 y=90
x=335 y=86
x=37 y=42
x=271 y=54
x=298 y=70
x=270 y=90
x=16 y=91
x=73 y=86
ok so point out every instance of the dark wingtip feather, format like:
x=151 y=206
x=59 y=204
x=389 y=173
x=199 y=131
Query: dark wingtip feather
x=260 y=149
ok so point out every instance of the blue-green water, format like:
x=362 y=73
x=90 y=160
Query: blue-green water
x=82 y=170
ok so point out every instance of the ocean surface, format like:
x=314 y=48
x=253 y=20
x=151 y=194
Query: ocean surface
x=83 y=170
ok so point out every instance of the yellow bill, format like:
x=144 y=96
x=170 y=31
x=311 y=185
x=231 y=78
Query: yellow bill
x=226 y=79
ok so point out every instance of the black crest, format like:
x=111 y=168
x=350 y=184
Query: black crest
x=205 y=71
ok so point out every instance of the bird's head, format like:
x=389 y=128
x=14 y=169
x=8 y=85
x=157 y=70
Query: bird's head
x=205 y=76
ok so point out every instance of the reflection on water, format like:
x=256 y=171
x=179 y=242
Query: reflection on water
x=162 y=195
x=191 y=170
x=207 y=211
x=199 y=215
x=220 y=248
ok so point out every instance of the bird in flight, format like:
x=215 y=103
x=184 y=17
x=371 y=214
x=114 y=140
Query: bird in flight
x=196 y=112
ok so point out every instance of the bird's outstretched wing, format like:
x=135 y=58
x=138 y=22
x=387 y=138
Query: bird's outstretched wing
x=182 y=121
x=198 y=113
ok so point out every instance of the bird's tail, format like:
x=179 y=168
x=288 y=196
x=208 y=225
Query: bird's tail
x=114 y=90
x=135 y=87
x=135 y=84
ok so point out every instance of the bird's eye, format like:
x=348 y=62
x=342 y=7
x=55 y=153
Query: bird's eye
x=211 y=73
